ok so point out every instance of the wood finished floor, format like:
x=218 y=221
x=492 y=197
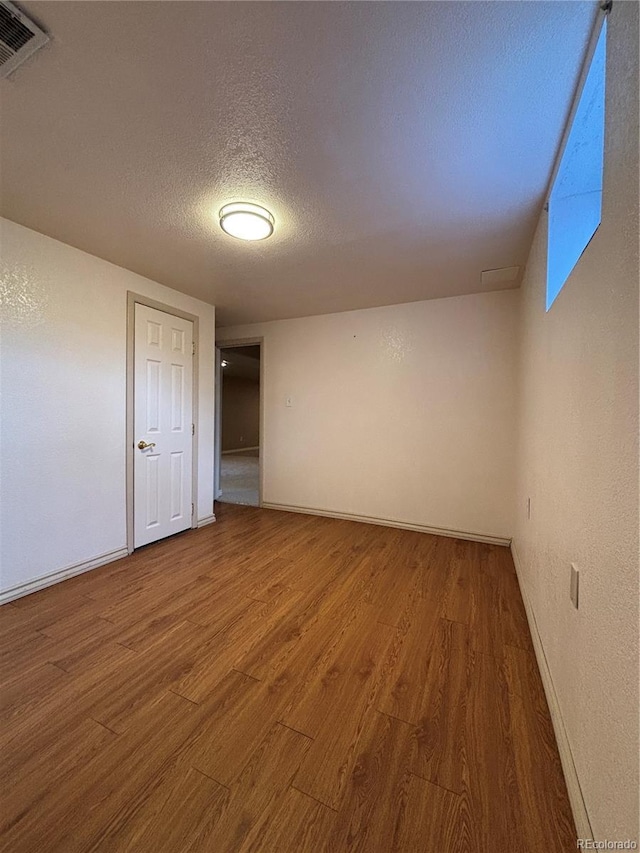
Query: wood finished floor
x=280 y=682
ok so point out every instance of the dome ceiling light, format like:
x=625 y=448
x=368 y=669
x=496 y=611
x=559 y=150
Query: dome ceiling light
x=246 y=221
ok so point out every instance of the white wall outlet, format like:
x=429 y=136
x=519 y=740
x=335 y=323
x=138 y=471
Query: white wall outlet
x=288 y=402
x=575 y=585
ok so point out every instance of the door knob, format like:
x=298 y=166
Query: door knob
x=142 y=445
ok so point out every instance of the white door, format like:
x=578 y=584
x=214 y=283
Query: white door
x=163 y=416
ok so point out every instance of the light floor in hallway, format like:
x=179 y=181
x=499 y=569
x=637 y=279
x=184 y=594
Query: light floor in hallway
x=240 y=478
x=283 y=683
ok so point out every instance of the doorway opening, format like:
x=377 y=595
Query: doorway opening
x=240 y=424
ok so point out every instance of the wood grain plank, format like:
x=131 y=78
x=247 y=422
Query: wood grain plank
x=138 y=682
x=439 y=740
x=379 y=775
x=353 y=651
x=100 y=795
x=457 y=598
x=240 y=714
x=217 y=655
x=490 y=773
x=22 y=652
x=356 y=675
x=138 y=732
x=18 y=695
x=179 y=815
x=432 y=820
x=543 y=797
x=89 y=653
x=259 y=791
x=298 y=823
x=24 y=795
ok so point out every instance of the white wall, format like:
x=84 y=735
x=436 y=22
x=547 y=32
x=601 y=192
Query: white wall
x=578 y=461
x=403 y=413
x=63 y=403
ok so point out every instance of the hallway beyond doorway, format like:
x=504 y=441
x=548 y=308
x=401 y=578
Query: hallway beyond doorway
x=240 y=477
x=239 y=430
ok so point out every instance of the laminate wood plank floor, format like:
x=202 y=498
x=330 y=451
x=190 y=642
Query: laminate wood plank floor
x=280 y=683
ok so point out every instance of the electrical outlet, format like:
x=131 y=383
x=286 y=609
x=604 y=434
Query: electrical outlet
x=575 y=585
x=528 y=509
x=288 y=402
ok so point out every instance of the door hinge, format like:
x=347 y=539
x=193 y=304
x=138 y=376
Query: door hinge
x=193 y=348
x=193 y=429
x=192 y=510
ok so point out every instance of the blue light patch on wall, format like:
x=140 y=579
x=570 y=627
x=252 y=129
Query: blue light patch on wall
x=575 y=203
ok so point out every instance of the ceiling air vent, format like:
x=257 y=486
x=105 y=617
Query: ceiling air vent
x=19 y=38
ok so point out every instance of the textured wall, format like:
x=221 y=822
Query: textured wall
x=63 y=403
x=578 y=461
x=403 y=413
x=240 y=413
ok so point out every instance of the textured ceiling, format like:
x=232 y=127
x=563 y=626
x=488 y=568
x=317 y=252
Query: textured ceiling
x=402 y=147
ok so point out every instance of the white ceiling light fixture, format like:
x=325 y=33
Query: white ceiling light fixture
x=246 y=221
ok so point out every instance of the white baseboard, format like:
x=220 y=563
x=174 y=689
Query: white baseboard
x=576 y=798
x=208 y=519
x=240 y=450
x=392 y=522
x=61 y=575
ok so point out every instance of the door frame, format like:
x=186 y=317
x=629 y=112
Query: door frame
x=224 y=344
x=134 y=299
